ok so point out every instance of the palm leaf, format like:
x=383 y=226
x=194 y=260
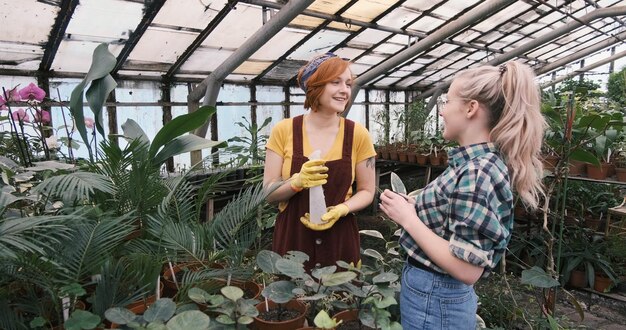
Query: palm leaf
x=92 y=243
x=31 y=234
x=77 y=186
x=235 y=226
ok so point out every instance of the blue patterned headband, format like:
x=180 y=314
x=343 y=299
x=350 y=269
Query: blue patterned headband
x=312 y=66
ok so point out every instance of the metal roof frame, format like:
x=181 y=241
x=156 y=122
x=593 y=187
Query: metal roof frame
x=521 y=36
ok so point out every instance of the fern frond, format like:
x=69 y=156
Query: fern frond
x=235 y=226
x=75 y=187
x=91 y=244
x=32 y=234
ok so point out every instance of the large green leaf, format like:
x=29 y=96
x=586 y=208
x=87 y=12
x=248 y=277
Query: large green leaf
x=279 y=292
x=162 y=310
x=189 y=320
x=583 y=155
x=133 y=131
x=539 y=278
x=338 y=278
x=266 y=260
x=97 y=95
x=179 y=126
x=183 y=144
x=102 y=63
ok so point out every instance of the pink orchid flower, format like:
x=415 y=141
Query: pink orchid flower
x=42 y=116
x=89 y=122
x=21 y=116
x=3 y=103
x=32 y=92
x=14 y=96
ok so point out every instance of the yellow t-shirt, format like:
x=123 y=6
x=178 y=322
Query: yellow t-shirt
x=281 y=142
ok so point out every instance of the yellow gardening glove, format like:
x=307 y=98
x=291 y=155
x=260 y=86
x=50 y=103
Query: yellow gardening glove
x=329 y=218
x=312 y=173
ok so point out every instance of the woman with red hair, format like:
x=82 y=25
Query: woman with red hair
x=346 y=155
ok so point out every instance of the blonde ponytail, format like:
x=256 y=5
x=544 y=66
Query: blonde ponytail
x=517 y=125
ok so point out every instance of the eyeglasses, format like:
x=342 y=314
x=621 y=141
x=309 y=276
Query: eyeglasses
x=443 y=100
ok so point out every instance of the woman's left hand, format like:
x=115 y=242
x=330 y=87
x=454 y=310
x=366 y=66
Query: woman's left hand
x=398 y=208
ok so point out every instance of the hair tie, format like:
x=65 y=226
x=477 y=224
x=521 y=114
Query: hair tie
x=502 y=69
x=312 y=66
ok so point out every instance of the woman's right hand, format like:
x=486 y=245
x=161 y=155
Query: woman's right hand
x=312 y=173
x=399 y=208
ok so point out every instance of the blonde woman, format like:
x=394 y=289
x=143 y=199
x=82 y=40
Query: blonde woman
x=457 y=229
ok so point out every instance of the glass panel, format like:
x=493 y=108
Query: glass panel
x=252 y=67
x=279 y=44
x=189 y=13
x=226 y=36
x=371 y=59
x=387 y=48
x=369 y=37
x=502 y=16
x=398 y=18
x=20 y=56
x=328 y=7
x=367 y=10
x=349 y=53
x=34 y=30
x=76 y=56
x=408 y=81
x=205 y=59
x=344 y=26
x=420 y=5
x=321 y=43
x=162 y=45
x=451 y=8
x=386 y=81
x=306 y=22
x=426 y=24
x=105 y=19
x=358 y=69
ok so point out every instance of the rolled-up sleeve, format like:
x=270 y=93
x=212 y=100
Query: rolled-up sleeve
x=474 y=222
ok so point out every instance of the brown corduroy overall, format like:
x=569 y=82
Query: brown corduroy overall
x=341 y=241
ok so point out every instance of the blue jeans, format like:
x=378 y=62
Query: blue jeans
x=435 y=301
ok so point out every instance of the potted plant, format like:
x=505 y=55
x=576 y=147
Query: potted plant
x=161 y=313
x=310 y=287
x=231 y=307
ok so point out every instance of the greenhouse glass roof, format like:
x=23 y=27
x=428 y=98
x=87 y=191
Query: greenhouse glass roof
x=403 y=45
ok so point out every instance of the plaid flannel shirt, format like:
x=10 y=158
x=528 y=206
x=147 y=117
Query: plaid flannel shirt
x=470 y=205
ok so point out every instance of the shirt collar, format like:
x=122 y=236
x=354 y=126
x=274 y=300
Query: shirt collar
x=461 y=155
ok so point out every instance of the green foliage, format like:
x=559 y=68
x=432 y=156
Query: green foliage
x=232 y=307
x=102 y=83
x=617 y=87
x=249 y=149
x=160 y=315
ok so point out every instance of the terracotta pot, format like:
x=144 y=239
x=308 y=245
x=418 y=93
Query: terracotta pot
x=602 y=283
x=577 y=168
x=403 y=157
x=384 y=154
x=393 y=155
x=598 y=173
x=178 y=269
x=549 y=162
x=296 y=323
x=434 y=160
x=620 y=174
x=421 y=159
x=347 y=315
x=411 y=157
x=577 y=279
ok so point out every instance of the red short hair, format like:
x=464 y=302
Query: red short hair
x=325 y=73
